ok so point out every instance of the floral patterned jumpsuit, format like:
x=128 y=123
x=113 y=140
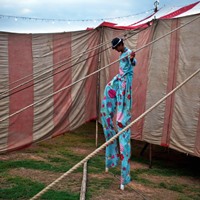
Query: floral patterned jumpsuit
x=118 y=94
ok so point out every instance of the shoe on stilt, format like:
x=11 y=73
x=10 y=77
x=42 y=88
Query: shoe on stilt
x=106 y=169
x=121 y=187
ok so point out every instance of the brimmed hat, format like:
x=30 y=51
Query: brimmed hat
x=116 y=41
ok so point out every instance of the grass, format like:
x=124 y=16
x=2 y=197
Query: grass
x=96 y=185
x=174 y=187
x=57 y=156
x=22 y=188
x=96 y=165
x=37 y=165
x=61 y=195
x=157 y=171
x=28 y=164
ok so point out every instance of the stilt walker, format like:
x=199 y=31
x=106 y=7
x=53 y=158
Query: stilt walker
x=118 y=97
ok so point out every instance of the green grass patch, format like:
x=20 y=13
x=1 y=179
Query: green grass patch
x=96 y=185
x=57 y=160
x=61 y=195
x=32 y=164
x=177 y=187
x=182 y=197
x=69 y=155
x=21 y=188
x=174 y=187
x=135 y=175
x=96 y=164
x=160 y=171
x=189 y=197
x=54 y=163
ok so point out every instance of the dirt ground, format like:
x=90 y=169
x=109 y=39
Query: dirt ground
x=174 y=176
x=134 y=190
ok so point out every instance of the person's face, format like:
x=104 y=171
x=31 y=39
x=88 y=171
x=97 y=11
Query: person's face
x=119 y=48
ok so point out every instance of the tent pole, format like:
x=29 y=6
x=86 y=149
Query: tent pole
x=150 y=155
x=98 y=82
x=144 y=148
x=97 y=127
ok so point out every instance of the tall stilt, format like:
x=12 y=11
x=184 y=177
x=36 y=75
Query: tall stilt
x=98 y=84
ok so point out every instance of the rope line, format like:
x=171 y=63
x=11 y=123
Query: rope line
x=50 y=70
x=73 y=20
x=73 y=58
x=91 y=74
x=68 y=60
x=39 y=71
x=93 y=48
x=113 y=138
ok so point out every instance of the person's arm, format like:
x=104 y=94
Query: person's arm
x=132 y=58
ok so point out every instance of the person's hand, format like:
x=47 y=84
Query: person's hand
x=132 y=55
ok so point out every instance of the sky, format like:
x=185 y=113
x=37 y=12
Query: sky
x=42 y=16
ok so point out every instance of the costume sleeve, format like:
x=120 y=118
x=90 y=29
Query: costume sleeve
x=134 y=62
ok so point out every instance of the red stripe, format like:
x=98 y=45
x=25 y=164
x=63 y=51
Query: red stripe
x=62 y=100
x=179 y=11
x=90 y=85
x=20 y=65
x=140 y=81
x=197 y=144
x=134 y=24
x=172 y=76
x=107 y=24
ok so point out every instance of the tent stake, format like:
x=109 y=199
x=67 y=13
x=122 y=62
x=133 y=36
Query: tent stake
x=84 y=181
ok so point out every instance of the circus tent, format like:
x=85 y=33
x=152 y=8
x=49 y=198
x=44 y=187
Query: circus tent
x=46 y=88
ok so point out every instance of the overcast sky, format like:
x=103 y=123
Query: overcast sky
x=96 y=11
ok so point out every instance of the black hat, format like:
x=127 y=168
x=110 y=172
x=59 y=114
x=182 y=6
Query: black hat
x=116 y=41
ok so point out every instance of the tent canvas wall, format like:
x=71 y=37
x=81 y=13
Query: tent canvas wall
x=161 y=66
x=24 y=54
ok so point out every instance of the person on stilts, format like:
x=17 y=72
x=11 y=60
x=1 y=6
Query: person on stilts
x=118 y=96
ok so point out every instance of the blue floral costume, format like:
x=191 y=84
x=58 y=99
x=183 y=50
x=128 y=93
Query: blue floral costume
x=118 y=94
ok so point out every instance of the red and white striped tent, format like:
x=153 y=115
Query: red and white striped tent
x=42 y=105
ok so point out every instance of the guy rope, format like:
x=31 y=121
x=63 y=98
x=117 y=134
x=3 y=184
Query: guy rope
x=113 y=138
